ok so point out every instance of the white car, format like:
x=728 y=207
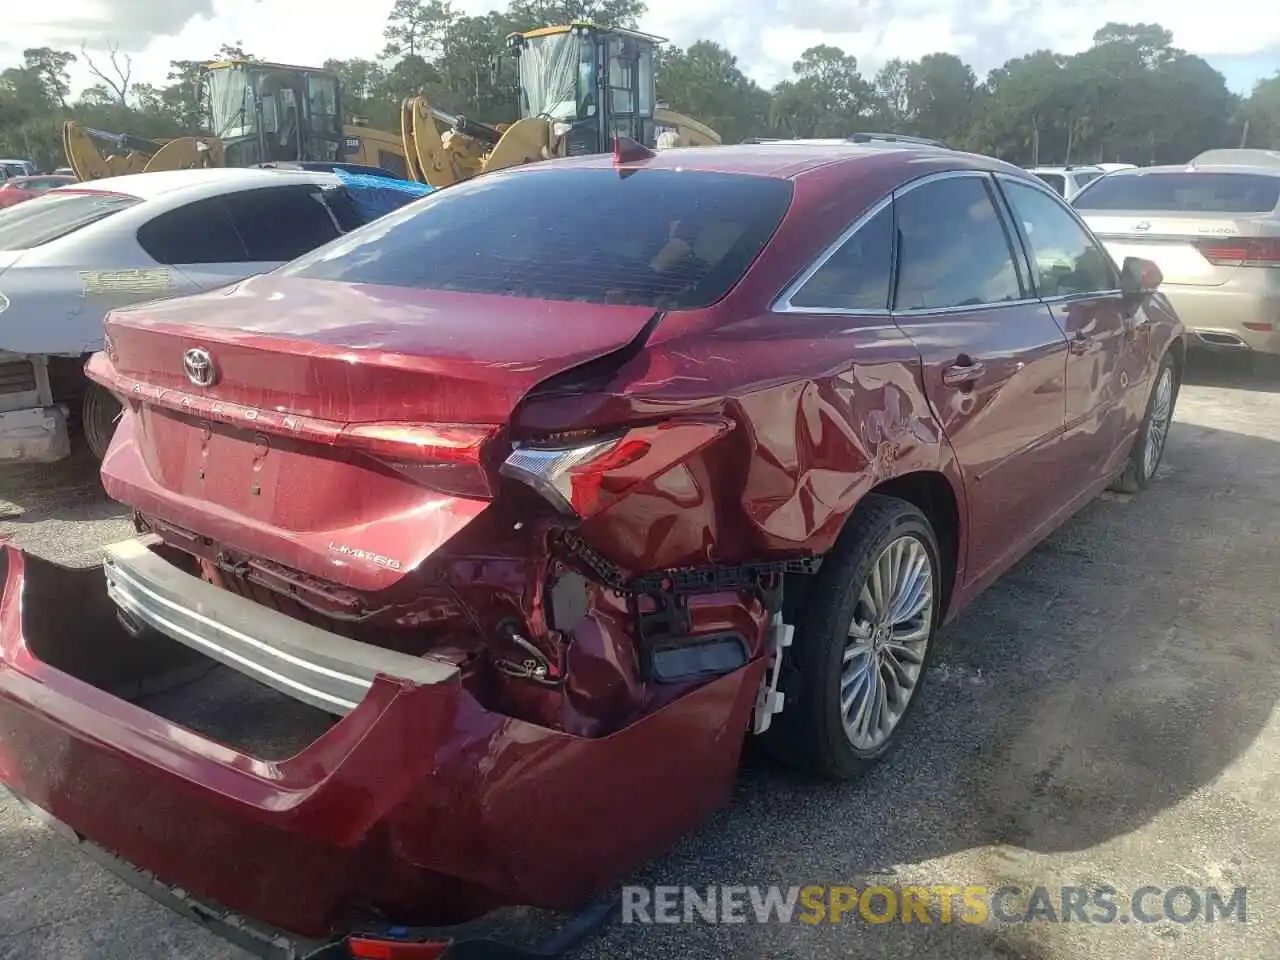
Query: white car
x=71 y=255
x=1068 y=181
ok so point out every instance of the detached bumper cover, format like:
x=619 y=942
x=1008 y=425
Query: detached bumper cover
x=419 y=804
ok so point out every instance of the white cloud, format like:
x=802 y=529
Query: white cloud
x=767 y=35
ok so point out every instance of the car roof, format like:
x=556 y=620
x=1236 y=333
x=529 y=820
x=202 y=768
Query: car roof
x=1086 y=167
x=776 y=160
x=198 y=183
x=1192 y=168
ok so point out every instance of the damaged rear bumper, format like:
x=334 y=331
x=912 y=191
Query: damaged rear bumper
x=418 y=805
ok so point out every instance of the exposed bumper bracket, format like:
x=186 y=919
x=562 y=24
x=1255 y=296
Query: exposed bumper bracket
x=328 y=671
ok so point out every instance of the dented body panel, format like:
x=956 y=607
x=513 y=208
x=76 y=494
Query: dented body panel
x=586 y=513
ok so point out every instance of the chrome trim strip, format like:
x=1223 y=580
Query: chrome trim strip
x=783 y=303
x=312 y=665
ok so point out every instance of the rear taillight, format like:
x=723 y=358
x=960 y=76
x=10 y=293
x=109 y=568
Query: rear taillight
x=443 y=457
x=1241 y=251
x=582 y=475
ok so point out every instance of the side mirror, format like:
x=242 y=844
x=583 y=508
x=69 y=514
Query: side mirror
x=1139 y=277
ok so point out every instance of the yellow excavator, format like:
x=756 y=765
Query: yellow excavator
x=580 y=85
x=260 y=112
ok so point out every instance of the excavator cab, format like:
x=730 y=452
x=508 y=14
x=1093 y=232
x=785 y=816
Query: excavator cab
x=591 y=83
x=269 y=112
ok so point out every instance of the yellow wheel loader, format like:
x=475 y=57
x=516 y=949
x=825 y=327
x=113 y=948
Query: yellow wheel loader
x=579 y=86
x=260 y=113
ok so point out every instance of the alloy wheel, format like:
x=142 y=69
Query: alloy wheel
x=1158 y=423
x=887 y=640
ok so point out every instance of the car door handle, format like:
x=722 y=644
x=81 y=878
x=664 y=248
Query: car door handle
x=963 y=371
x=1080 y=343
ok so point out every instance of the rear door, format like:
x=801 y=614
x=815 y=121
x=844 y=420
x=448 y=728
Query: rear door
x=1199 y=226
x=1076 y=279
x=993 y=360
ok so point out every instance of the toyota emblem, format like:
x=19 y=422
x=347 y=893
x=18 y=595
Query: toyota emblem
x=199 y=367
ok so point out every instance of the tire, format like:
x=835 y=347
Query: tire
x=98 y=415
x=1154 y=429
x=810 y=732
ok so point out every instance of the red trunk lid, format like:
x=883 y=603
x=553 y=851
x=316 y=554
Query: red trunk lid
x=266 y=459
x=353 y=354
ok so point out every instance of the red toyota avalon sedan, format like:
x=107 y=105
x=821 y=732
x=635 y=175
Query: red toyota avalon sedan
x=481 y=538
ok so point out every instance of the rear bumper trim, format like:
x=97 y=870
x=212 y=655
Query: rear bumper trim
x=315 y=666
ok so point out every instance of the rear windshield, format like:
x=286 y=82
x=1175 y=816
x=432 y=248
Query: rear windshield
x=54 y=215
x=660 y=238
x=1183 y=192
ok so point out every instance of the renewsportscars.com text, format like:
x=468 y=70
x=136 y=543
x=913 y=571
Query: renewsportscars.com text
x=941 y=903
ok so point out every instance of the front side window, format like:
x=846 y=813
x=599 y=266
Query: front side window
x=857 y=276
x=661 y=238
x=54 y=215
x=953 y=250
x=1064 y=258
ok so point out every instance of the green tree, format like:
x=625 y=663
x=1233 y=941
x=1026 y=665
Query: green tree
x=705 y=82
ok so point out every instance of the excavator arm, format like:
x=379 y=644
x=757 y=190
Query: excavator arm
x=129 y=154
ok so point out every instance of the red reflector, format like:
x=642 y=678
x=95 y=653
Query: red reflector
x=1260 y=327
x=1242 y=251
x=362 y=948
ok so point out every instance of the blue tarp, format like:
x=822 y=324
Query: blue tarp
x=377 y=196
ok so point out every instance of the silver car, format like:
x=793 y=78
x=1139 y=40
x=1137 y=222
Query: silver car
x=71 y=255
x=1214 y=231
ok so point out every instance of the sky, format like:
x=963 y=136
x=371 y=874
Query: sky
x=1241 y=38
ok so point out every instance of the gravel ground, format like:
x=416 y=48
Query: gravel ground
x=1103 y=715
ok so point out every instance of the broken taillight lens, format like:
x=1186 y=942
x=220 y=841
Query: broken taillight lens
x=442 y=457
x=581 y=475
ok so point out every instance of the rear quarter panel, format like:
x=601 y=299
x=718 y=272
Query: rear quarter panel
x=59 y=293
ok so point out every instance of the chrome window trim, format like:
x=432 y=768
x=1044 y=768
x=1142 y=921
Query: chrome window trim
x=783 y=302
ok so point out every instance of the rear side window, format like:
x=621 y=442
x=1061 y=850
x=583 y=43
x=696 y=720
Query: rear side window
x=200 y=232
x=49 y=217
x=1055 y=180
x=660 y=238
x=1183 y=192
x=281 y=223
x=857 y=276
x=953 y=249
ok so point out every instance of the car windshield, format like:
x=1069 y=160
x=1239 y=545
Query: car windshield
x=660 y=238
x=54 y=215
x=1183 y=192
